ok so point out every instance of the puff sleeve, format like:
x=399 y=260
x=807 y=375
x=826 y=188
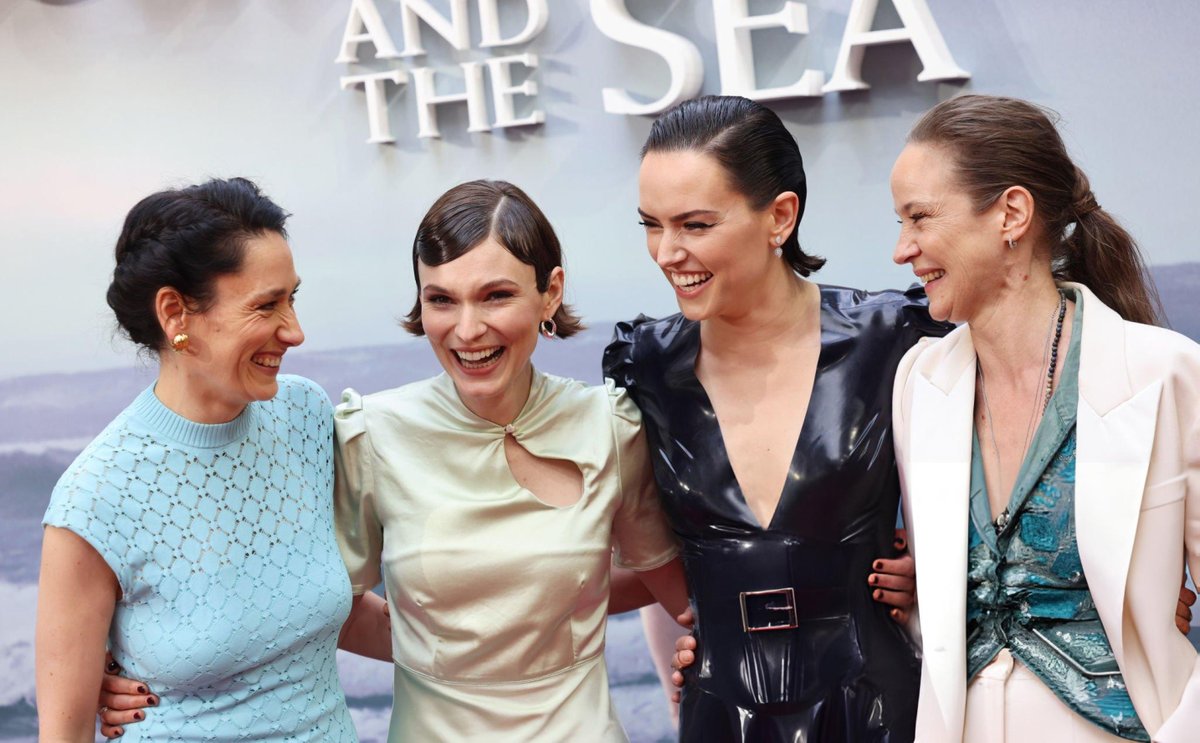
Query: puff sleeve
x=641 y=536
x=618 y=363
x=356 y=520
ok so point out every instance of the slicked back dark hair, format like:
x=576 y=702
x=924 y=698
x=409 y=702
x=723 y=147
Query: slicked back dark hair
x=184 y=239
x=469 y=214
x=754 y=148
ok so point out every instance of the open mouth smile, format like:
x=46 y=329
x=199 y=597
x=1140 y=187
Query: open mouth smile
x=925 y=278
x=687 y=283
x=268 y=362
x=481 y=359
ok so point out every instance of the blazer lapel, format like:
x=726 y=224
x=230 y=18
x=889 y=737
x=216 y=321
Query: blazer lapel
x=1115 y=437
x=938 y=483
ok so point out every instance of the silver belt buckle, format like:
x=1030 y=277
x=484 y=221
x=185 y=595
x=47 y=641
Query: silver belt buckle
x=789 y=605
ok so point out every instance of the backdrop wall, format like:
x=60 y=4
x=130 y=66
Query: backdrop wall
x=104 y=101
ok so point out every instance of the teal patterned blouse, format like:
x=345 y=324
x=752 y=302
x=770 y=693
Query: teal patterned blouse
x=1026 y=590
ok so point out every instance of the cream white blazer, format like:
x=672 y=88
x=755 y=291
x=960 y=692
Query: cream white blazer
x=1137 y=509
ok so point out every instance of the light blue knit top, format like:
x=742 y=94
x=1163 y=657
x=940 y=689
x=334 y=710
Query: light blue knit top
x=221 y=537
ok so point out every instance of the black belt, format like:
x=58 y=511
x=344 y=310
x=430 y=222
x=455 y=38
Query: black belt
x=779 y=618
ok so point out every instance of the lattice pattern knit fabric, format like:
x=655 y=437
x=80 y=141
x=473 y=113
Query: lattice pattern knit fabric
x=221 y=537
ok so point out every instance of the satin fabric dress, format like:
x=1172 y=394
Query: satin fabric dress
x=498 y=601
x=791 y=645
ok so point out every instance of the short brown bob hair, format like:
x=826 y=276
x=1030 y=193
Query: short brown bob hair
x=470 y=213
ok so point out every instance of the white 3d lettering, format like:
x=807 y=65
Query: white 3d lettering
x=735 y=54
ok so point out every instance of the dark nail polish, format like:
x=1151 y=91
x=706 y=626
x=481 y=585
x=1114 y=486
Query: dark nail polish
x=112 y=667
x=879 y=594
x=153 y=702
x=878 y=565
x=141 y=690
x=118 y=733
x=138 y=715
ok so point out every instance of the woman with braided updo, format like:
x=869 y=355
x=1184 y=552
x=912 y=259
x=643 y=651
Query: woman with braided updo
x=194 y=535
x=1049 y=447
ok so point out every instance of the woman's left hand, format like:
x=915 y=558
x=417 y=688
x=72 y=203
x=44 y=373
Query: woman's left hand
x=894 y=582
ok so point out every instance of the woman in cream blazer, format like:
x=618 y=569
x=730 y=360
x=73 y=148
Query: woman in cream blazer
x=1137 y=508
x=989 y=202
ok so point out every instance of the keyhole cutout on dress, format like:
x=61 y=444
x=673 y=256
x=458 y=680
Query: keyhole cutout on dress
x=555 y=482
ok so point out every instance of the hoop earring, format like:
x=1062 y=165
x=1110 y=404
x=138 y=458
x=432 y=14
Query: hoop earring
x=180 y=342
x=1012 y=244
x=548 y=327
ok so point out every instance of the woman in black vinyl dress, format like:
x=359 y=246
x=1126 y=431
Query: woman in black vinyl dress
x=783 y=497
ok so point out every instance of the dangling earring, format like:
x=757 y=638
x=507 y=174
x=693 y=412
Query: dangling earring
x=1012 y=244
x=778 y=246
x=548 y=328
x=180 y=342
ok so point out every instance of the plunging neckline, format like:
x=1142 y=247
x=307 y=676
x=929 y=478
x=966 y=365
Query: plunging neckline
x=687 y=366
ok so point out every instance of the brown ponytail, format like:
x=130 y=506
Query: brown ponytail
x=1001 y=142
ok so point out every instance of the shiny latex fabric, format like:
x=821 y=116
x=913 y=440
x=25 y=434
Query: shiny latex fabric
x=847 y=672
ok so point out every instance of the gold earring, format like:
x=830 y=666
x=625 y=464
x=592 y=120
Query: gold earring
x=180 y=342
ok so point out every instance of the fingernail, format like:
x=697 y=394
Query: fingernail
x=138 y=715
x=895 y=613
x=879 y=594
x=141 y=690
x=152 y=701
x=872 y=579
x=878 y=565
x=900 y=544
x=118 y=732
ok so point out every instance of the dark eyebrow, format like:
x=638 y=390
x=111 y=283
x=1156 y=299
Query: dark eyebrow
x=685 y=215
x=499 y=283
x=493 y=284
x=275 y=294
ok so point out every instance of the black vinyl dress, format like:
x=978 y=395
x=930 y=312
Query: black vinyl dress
x=791 y=645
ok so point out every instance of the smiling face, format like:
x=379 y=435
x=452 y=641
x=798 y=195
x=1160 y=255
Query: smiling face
x=709 y=241
x=955 y=251
x=480 y=313
x=237 y=344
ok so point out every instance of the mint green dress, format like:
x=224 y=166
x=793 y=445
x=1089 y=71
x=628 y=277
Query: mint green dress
x=498 y=600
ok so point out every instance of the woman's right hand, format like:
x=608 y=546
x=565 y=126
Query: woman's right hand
x=1183 y=609
x=122 y=700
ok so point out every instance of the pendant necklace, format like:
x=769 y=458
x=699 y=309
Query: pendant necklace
x=1050 y=361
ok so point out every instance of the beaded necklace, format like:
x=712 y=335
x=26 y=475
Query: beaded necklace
x=1053 y=336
